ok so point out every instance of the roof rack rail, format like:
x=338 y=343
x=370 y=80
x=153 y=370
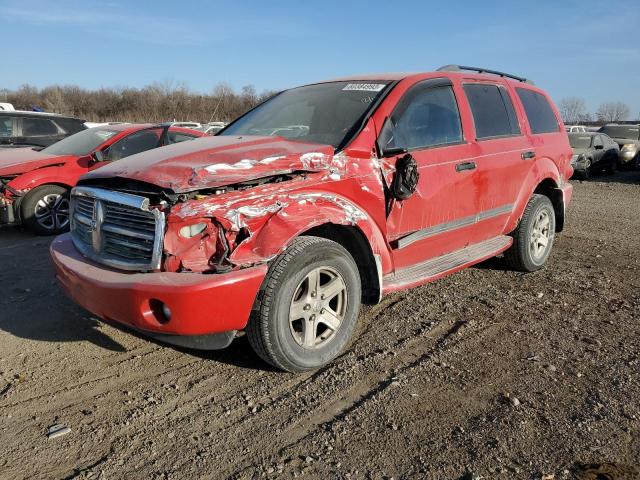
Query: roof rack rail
x=458 y=68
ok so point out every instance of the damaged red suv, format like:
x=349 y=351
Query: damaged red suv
x=35 y=183
x=323 y=197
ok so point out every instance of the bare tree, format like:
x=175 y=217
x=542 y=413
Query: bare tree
x=572 y=109
x=613 y=112
x=159 y=102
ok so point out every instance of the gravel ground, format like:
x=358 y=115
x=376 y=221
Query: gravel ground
x=484 y=374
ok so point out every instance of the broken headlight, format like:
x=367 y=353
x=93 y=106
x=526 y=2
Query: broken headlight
x=190 y=231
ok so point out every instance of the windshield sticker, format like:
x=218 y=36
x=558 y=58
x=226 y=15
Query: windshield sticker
x=364 y=87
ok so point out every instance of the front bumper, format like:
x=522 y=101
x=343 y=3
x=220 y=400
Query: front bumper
x=628 y=156
x=206 y=310
x=7 y=211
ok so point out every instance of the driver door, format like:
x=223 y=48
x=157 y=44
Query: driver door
x=437 y=217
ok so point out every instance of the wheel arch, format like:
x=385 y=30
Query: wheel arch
x=544 y=179
x=355 y=242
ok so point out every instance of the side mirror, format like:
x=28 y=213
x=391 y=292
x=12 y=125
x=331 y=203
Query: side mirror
x=98 y=156
x=393 y=152
x=386 y=141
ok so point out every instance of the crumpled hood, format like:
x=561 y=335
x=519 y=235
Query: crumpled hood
x=14 y=161
x=211 y=162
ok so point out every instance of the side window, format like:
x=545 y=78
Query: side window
x=426 y=116
x=597 y=141
x=6 y=126
x=135 y=143
x=492 y=109
x=38 y=127
x=539 y=112
x=175 y=137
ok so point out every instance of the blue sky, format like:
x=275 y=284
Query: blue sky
x=581 y=48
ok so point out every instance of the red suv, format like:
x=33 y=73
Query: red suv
x=323 y=197
x=35 y=184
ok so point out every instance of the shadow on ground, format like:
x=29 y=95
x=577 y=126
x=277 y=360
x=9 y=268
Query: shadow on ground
x=32 y=305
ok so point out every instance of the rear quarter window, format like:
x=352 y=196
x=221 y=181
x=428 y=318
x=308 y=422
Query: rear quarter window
x=6 y=126
x=492 y=109
x=539 y=112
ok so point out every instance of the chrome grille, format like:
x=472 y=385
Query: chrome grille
x=116 y=229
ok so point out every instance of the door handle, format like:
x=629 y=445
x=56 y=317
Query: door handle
x=465 y=166
x=528 y=155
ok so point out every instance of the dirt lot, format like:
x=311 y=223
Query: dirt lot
x=485 y=374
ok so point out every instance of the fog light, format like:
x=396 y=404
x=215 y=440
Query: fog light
x=192 y=230
x=160 y=311
x=166 y=312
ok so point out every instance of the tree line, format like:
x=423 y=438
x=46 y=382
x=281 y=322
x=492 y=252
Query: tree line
x=574 y=110
x=154 y=103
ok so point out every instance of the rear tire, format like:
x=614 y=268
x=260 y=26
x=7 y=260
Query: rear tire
x=534 y=236
x=307 y=308
x=45 y=210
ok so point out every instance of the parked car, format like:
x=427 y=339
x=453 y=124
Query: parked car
x=397 y=181
x=212 y=128
x=35 y=185
x=193 y=125
x=35 y=129
x=6 y=107
x=576 y=129
x=628 y=139
x=593 y=152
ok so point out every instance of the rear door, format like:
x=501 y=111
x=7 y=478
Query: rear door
x=503 y=153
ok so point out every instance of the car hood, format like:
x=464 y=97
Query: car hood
x=14 y=161
x=217 y=161
x=580 y=151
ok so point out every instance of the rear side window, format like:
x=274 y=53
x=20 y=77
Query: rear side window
x=70 y=125
x=493 y=112
x=35 y=127
x=426 y=116
x=539 y=112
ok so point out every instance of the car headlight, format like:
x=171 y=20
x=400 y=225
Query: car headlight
x=192 y=230
x=629 y=147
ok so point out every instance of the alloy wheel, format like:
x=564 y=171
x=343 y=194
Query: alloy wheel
x=318 y=307
x=52 y=212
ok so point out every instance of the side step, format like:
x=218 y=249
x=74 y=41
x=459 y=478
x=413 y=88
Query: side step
x=451 y=262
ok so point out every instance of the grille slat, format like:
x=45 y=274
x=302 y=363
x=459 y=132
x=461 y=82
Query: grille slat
x=116 y=234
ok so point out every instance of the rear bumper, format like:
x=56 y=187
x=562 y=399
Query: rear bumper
x=205 y=310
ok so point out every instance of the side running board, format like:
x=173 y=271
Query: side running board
x=436 y=267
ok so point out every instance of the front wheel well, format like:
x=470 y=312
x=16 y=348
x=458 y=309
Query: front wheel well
x=549 y=189
x=355 y=242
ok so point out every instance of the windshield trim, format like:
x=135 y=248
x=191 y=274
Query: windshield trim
x=358 y=125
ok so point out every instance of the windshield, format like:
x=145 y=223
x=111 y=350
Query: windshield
x=580 y=141
x=324 y=113
x=81 y=143
x=631 y=132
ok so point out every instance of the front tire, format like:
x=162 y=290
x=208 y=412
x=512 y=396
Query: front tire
x=45 y=210
x=534 y=236
x=307 y=308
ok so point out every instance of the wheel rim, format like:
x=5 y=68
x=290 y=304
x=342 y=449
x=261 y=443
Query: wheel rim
x=540 y=235
x=52 y=211
x=318 y=308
